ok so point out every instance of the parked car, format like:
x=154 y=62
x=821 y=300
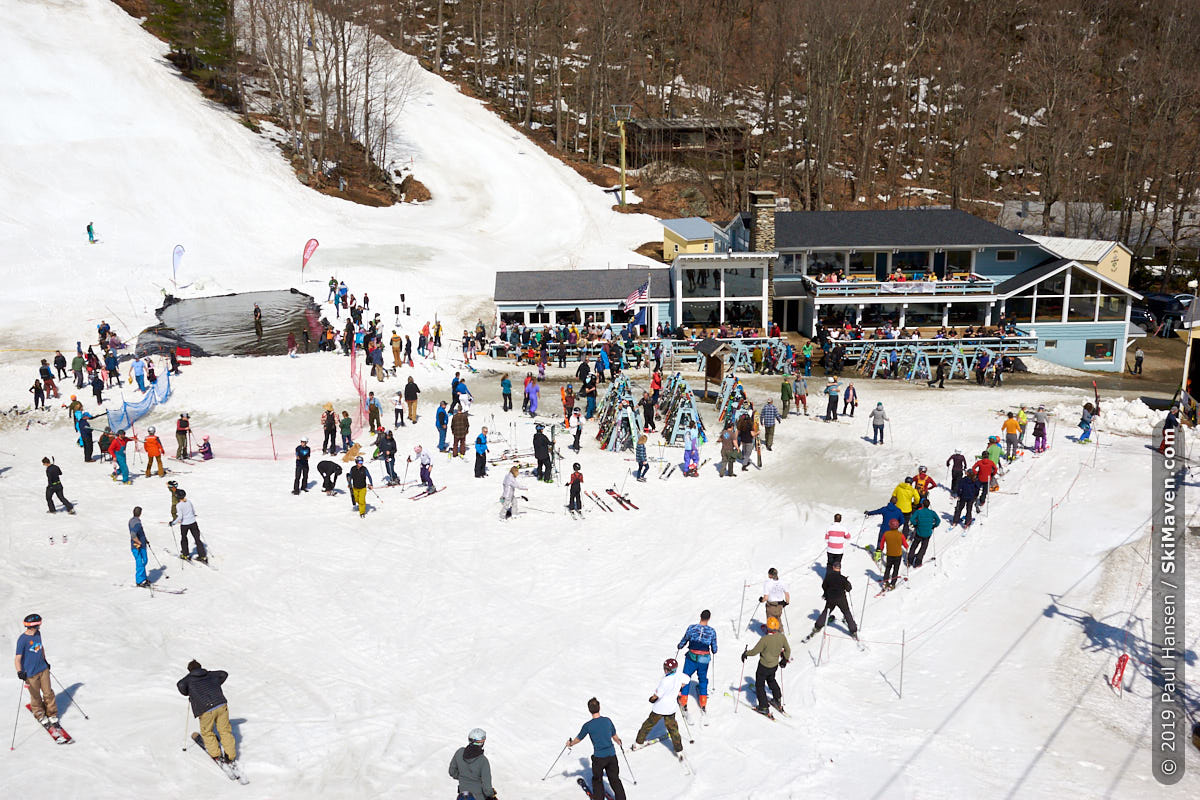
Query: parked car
x=1141 y=316
x=1185 y=299
x=1164 y=306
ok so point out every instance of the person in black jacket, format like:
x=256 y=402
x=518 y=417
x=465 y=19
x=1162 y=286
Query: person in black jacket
x=958 y=465
x=54 y=487
x=834 y=589
x=85 y=436
x=203 y=690
x=966 y=491
x=303 y=451
x=329 y=425
x=329 y=474
x=541 y=451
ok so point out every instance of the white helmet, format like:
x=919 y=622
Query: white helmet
x=151 y=430
x=477 y=736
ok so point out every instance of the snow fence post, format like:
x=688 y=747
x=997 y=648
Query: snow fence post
x=821 y=651
x=862 y=612
x=903 y=639
x=1050 y=533
x=271 y=428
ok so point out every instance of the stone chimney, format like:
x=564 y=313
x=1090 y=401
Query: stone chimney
x=762 y=225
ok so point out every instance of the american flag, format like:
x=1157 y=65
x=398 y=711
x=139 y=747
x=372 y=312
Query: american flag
x=638 y=295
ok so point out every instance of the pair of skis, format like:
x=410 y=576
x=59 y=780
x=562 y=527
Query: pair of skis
x=231 y=768
x=595 y=498
x=427 y=492
x=57 y=732
x=622 y=499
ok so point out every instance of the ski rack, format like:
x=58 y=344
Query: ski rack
x=678 y=403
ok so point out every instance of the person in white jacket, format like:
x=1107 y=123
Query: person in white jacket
x=509 y=497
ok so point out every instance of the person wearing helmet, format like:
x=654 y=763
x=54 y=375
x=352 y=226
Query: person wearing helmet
x=773 y=651
x=32 y=667
x=1023 y=421
x=700 y=638
x=886 y=514
x=303 y=451
x=116 y=449
x=603 y=733
x=568 y=403
x=471 y=769
x=663 y=707
x=138 y=546
x=985 y=471
x=922 y=482
x=154 y=452
x=895 y=544
x=924 y=520
x=358 y=479
x=995 y=452
x=425 y=462
x=575 y=490
x=183 y=427
x=958 y=465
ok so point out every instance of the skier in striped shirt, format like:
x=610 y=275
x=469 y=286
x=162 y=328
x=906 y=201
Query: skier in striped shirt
x=835 y=542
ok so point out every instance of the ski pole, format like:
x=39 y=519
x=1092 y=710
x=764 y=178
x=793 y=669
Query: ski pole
x=755 y=611
x=372 y=488
x=786 y=624
x=627 y=767
x=556 y=758
x=688 y=728
x=737 y=692
x=187 y=723
x=741 y=609
x=74 y=702
x=156 y=558
x=17 y=718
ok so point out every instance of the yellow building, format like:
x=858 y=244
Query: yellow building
x=1110 y=259
x=688 y=235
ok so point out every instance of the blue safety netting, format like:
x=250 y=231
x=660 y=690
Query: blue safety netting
x=123 y=418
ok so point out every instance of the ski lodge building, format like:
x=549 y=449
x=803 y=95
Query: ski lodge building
x=912 y=268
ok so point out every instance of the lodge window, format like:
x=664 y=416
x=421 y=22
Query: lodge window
x=1006 y=255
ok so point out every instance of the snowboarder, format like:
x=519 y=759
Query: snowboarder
x=878 y=418
x=509 y=493
x=700 y=638
x=470 y=767
x=773 y=651
x=300 y=481
x=54 y=487
x=329 y=472
x=481 y=451
x=358 y=479
x=663 y=707
x=32 y=668
x=257 y=321
x=835 y=589
x=138 y=545
x=924 y=520
x=202 y=688
x=188 y=525
x=835 y=543
x=575 y=489
x=603 y=733
x=541 y=451
x=775 y=594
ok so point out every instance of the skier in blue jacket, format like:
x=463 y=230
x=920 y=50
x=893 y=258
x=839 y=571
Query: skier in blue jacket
x=441 y=421
x=887 y=513
x=701 y=641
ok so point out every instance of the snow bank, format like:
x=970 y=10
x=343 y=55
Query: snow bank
x=1117 y=415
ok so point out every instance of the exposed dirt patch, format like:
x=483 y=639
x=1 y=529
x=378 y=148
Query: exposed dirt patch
x=413 y=191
